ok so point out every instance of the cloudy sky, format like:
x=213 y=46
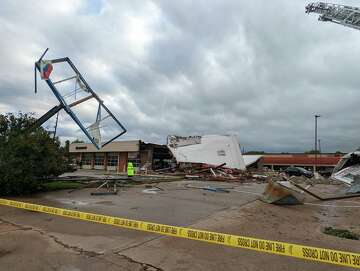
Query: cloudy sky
x=259 y=69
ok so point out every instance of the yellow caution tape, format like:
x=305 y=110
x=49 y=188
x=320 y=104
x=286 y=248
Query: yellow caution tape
x=330 y=256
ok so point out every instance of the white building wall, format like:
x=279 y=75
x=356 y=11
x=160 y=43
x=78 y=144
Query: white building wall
x=213 y=149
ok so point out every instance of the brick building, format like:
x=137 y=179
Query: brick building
x=281 y=161
x=116 y=155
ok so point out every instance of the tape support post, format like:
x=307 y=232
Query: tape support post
x=324 y=255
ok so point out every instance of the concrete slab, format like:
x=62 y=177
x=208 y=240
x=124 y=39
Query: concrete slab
x=82 y=243
x=175 y=205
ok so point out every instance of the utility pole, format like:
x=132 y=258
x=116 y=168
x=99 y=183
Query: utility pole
x=316 y=141
x=319 y=141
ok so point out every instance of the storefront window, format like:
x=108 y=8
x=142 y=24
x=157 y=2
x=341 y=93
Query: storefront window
x=112 y=160
x=99 y=159
x=87 y=159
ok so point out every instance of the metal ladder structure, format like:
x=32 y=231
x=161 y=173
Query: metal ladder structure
x=339 y=14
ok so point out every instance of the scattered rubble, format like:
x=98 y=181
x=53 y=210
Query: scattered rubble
x=354 y=188
x=313 y=181
x=110 y=187
x=282 y=193
x=281 y=189
x=220 y=173
x=348 y=168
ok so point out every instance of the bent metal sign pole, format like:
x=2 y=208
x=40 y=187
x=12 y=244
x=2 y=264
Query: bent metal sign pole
x=46 y=67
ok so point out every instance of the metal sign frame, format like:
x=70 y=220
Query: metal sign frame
x=67 y=107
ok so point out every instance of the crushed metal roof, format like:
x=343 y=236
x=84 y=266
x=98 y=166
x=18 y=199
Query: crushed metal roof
x=207 y=149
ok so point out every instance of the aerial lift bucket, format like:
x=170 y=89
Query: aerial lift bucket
x=282 y=193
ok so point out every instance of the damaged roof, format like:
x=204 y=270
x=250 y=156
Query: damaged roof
x=207 y=149
x=251 y=159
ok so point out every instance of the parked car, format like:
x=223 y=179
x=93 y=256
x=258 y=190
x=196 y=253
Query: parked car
x=71 y=167
x=298 y=171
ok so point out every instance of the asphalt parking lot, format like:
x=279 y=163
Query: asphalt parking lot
x=35 y=241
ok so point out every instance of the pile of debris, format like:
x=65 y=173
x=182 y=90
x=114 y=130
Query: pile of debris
x=311 y=181
x=211 y=158
x=221 y=173
x=289 y=191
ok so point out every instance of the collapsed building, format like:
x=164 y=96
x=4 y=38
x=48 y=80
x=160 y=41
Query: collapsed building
x=207 y=149
x=348 y=168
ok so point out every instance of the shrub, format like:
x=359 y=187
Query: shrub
x=28 y=155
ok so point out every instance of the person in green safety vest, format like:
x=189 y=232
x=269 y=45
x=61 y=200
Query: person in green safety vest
x=130 y=169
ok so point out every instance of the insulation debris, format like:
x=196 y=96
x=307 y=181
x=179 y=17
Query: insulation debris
x=348 y=168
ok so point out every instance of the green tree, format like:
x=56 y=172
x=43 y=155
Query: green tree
x=67 y=149
x=312 y=152
x=77 y=141
x=255 y=152
x=28 y=155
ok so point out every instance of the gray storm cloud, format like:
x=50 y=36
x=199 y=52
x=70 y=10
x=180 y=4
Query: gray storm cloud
x=259 y=69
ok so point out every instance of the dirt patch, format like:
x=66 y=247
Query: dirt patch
x=341 y=233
